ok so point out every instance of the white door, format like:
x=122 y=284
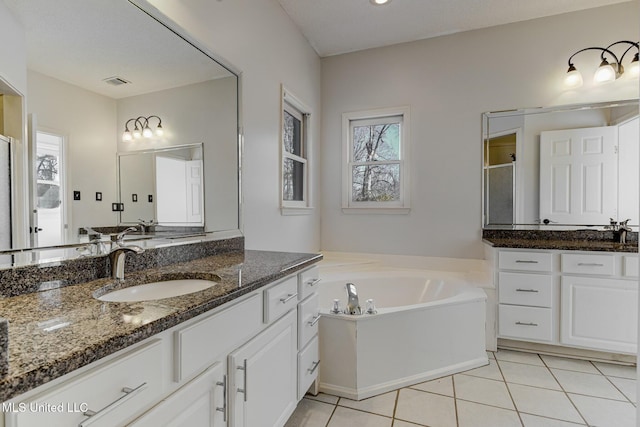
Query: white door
x=578 y=175
x=263 y=376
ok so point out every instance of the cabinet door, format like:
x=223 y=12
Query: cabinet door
x=199 y=403
x=262 y=376
x=599 y=313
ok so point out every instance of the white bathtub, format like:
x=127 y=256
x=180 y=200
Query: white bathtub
x=428 y=324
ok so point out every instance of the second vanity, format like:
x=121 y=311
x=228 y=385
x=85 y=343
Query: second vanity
x=241 y=353
x=574 y=296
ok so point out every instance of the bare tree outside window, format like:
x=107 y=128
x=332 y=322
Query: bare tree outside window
x=376 y=163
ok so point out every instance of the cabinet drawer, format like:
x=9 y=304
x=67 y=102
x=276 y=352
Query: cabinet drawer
x=116 y=391
x=280 y=298
x=204 y=342
x=600 y=264
x=307 y=282
x=526 y=261
x=308 y=364
x=525 y=289
x=308 y=317
x=630 y=268
x=529 y=323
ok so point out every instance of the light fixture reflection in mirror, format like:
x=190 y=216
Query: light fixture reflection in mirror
x=141 y=128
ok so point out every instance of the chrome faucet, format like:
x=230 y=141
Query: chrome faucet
x=117 y=257
x=118 y=239
x=353 y=305
x=623 y=230
x=145 y=225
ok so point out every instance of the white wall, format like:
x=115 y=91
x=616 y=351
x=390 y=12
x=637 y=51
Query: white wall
x=448 y=82
x=259 y=39
x=88 y=123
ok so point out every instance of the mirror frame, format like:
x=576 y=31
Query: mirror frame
x=536 y=110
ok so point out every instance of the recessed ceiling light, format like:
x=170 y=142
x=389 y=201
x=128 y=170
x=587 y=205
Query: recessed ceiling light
x=379 y=2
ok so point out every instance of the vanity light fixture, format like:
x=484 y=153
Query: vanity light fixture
x=606 y=72
x=141 y=128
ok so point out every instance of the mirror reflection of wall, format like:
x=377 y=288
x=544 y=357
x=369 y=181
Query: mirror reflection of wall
x=532 y=124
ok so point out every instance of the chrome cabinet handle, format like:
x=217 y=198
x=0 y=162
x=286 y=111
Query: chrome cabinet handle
x=527 y=290
x=223 y=384
x=128 y=394
x=526 y=324
x=313 y=367
x=244 y=385
x=288 y=298
x=313 y=282
x=313 y=321
x=590 y=264
x=526 y=261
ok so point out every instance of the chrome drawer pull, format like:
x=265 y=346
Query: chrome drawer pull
x=223 y=384
x=313 y=321
x=526 y=261
x=288 y=298
x=313 y=282
x=243 y=390
x=527 y=290
x=526 y=324
x=128 y=394
x=590 y=264
x=314 y=366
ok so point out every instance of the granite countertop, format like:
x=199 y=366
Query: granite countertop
x=54 y=332
x=565 y=245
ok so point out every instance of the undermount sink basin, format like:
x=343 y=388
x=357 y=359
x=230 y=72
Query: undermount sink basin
x=157 y=290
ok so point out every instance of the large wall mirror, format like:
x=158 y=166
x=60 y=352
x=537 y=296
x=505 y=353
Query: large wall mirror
x=563 y=167
x=95 y=69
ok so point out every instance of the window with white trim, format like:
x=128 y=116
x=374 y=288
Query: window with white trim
x=295 y=155
x=375 y=167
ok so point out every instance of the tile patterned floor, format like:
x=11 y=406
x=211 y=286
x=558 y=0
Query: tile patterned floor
x=515 y=389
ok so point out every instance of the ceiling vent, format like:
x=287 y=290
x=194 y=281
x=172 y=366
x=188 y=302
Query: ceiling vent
x=116 y=81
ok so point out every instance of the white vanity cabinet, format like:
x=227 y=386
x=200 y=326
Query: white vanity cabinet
x=571 y=298
x=237 y=365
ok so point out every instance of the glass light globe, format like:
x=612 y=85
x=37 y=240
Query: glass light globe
x=146 y=132
x=573 y=78
x=159 y=131
x=126 y=136
x=136 y=133
x=605 y=73
x=634 y=67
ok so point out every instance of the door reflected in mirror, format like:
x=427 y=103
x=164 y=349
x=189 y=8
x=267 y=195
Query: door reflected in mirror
x=562 y=167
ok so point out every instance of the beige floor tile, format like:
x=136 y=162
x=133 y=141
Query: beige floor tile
x=323 y=397
x=442 y=386
x=547 y=403
x=604 y=412
x=613 y=370
x=490 y=371
x=536 y=421
x=589 y=384
x=519 y=357
x=425 y=408
x=569 y=364
x=398 y=423
x=310 y=413
x=346 y=417
x=381 y=405
x=627 y=387
x=536 y=376
x=482 y=390
x=475 y=415
x=491 y=355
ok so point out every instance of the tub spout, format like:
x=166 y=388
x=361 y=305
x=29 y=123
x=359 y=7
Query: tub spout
x=353 y=306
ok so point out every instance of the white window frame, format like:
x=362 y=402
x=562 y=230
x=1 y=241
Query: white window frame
x=402 y=206
x=295 y=107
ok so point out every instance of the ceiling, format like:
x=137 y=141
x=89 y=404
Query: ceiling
x=84 y=42
x=333 y=27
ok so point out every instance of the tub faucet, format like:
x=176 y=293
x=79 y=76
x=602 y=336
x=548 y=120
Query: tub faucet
x=353 y=306
x=117 y=256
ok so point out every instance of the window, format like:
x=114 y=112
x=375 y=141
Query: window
x=295 y=155
x=375 y=168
